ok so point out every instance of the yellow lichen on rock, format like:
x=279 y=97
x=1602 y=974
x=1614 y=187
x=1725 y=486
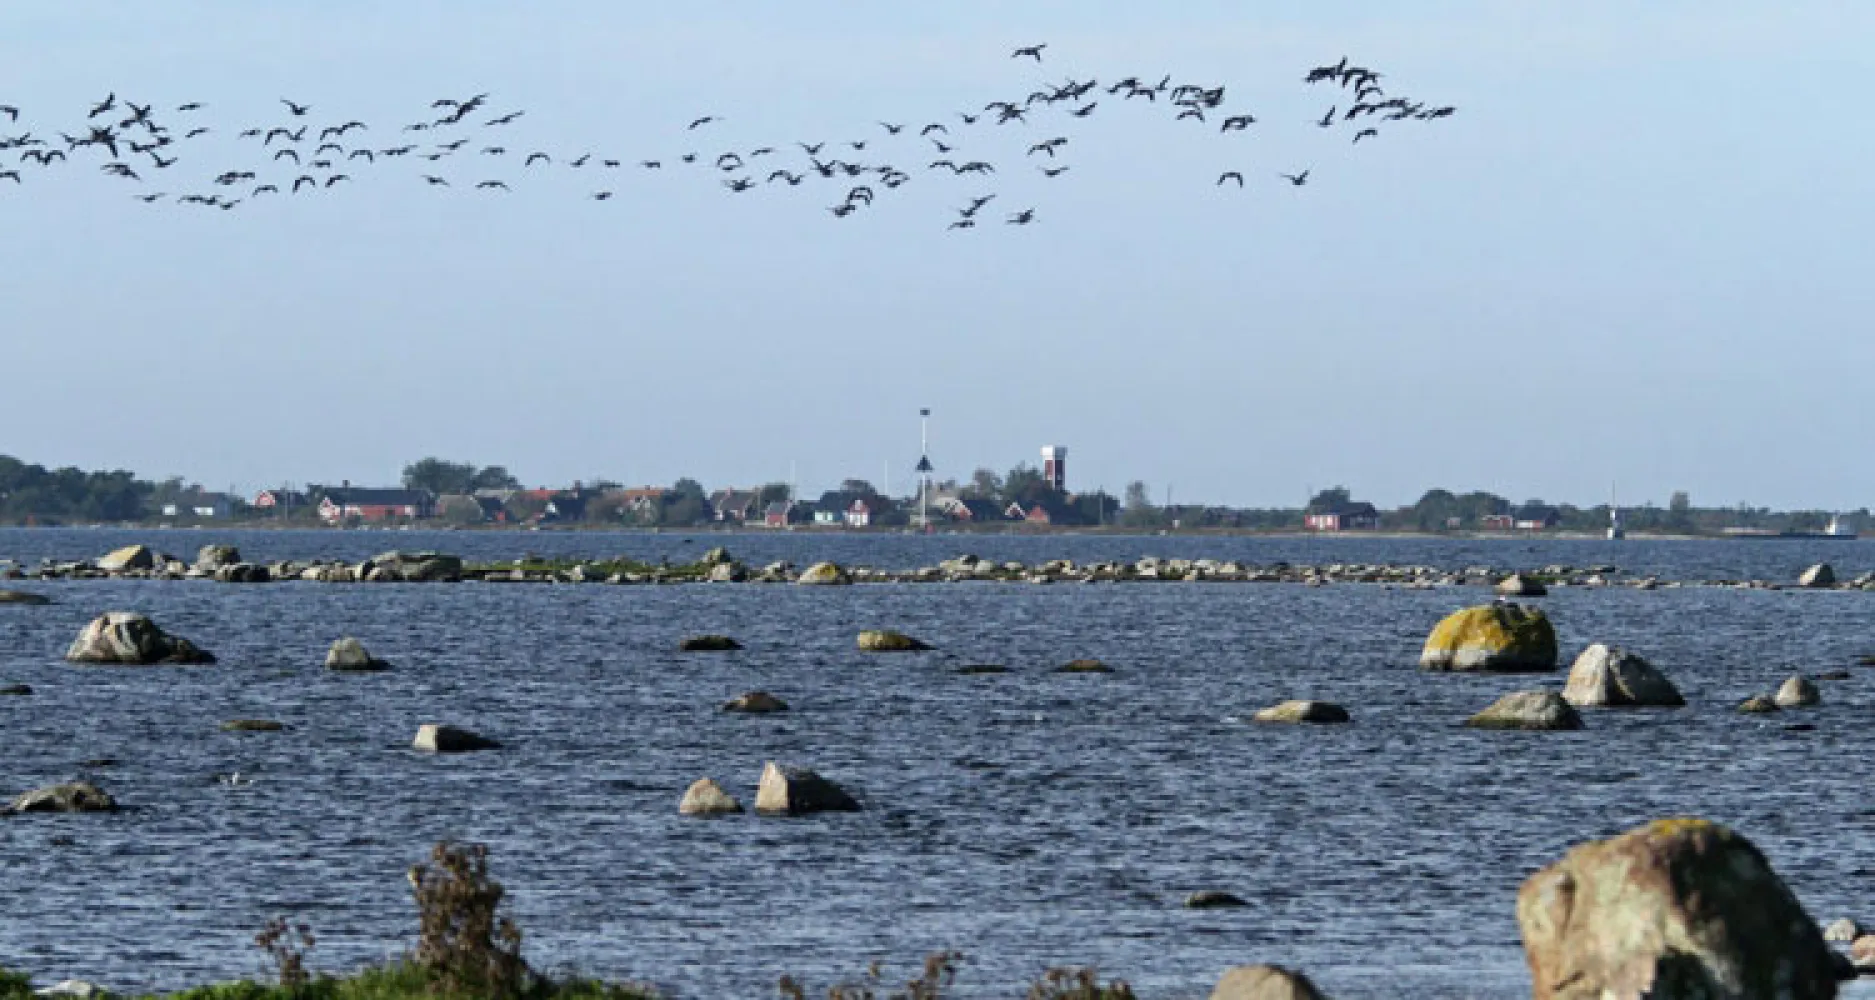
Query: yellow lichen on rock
x=1501 y=637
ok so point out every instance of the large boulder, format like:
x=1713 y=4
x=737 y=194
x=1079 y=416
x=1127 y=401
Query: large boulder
x=1303 y=711
x=824 y=574
x=888 y=641
x=1819 y=576
x=130 y=557
x=1680 y=909
x=1264 y=982
x=797 y=791
x=1519 y=585
x=1502 y=637
x=210 y=557
x=127 y=637
x=1798 y=691
x=1608 y=676
x=72 y=797
x=349 y=655
x=415 y=567
x=717 y=556
x=23 y=598
x=449 y=739
x=707 y=798
x=240 y=572
x=728 y=572
x=1531 y=710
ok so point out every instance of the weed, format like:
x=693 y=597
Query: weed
x=462 y=942
x=1077 y=984
x=940 y=971
x=286 y=945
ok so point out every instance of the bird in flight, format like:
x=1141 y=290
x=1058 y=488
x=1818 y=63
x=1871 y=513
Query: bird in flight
x=1032 y=51
x=10 y=111
x=1297 y=179
x=492 y=185
x=1083 y=112
x=1365 y=133
x=1023 y=217
x=335 y=178
x=104 y=106
x=964 y=223
x=1054 y=171
x=540 y=157
x=435 y=181
x=700 y=122
x=1237 y=123
x=1230 y=175
x=601 y=195
x=298 y=110
x=1327 y=119
x=191 y=106
x=304 y=180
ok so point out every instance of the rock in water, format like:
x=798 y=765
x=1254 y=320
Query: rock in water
x=1084 y=667
x=797 y=791
x=449 y=739
x=73 y=797
x=824 y=574
x=23 y=598
x=717 y=556
x=252 y=726
x=888 y=641
x=1303 y=711
x=1817 y=577
x=709 y=644
x=1680 y=908
x=1608 y=676
x=1518 y=585
x=1504 y=638
x=1264 y=982
x=1213 y=899
x=349 y=655
x=1798 y=692
x=707 y=798
x=129 y=557
x=1758 y=704
x=210 y=557
x=130 y=638
x=1843 y=931
x=15 y=690
x=755 y=703
x=1531 y=710
x=414 y=567
x=1862 y=954
x=728 y=572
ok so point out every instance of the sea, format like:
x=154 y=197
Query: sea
x=1028 y=820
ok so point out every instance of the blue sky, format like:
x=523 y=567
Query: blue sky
x=1634 y=255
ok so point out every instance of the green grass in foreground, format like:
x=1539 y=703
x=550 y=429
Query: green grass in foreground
x=394 y=982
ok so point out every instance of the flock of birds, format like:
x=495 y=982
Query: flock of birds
x=300 y=154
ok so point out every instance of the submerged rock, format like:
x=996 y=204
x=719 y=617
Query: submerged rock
x=450 y=739
x=708 y=644
x=797 y=791
x=824 y=574
x=1504 y=637
x=1798 y=691
x=24 y=598
x=1213 y=899
x=252 y=726
x=1528 y=710
x=1609 y=676
x=755 y=703
x=1084 y=667
x=705 y=797
x=1758 y=704
x=888 y=641
x=16 y=690
x=982 y=669
x=1303 y=711
x=72 y=797
x=1680 y=908
x=1264 y=982
x=126 y=637
x=349 y=655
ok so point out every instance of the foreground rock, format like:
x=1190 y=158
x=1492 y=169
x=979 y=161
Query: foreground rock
x=126 y=637
x=824 y=574
x=1518 y=585
x=709 y=644
x=1843 y=931
x=21 y=597
x=1609 y=676
x=130 y=557
x=755 y=703
x=1862 y=954
x=797 y=791
x=1322 y=712
x=1817 y=577
x=350 y=656
x=888 y=641
x=1504 y=638
x=73 y=797
x=707 y=798
x=1798 y=691
x=1528 y=710
x=449 y=739
x=1680 y=908
x=1264 y=982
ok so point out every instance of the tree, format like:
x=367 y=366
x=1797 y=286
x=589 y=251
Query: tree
x=1333 y=498
x=1139 y=511
x=985 y=484
x=493 y=477
x=1024 y=485
x=685 y=504
x=438 y=476
x=1680 y=503
x=773 y=493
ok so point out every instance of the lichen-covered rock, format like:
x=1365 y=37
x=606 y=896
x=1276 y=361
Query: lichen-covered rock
x=708 y=644
x=1798 y=691
x=755 y=703
x=1325 y=712
x=211 y=556
x=1502 y=637
x=1519 y=585
x=450 y=739
x=1818 y=577
x=1680 y=909
x=126 y=637
x=350 y=656
x=1609 y=676
x=705 y=797
x=824 y=574
x=23 y=598
x=130 y=557
x=1264 y=982
x=1529 y=710
x=715 y=557
x=797 y=791
x=72 y=797
x=888 y=641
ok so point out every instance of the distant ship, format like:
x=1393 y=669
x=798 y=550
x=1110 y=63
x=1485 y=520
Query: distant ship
x=1838 y=529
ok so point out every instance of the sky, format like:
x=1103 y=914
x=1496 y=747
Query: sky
x=1633 y=259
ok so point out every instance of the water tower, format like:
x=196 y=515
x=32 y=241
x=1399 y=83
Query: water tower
x=1055 y=467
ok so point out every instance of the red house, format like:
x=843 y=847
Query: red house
x=1344 y=517
x=375 y=504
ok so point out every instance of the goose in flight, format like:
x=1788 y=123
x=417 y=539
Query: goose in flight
x=1237 y=123
x=1023 y=217
x=533 y=158
x=700 y=122
x=1230 y=175
x=191 y=106
x=335 y=178
x=304 y=180
x=1054 y=171
x=1297 y=179
x=104 y=106
x=1365 y=133
x=435 y=181
x=298 y=110
x=1327 y=119
x=492 y=186
x=601 y=195
x=1032 y=51
x=504 y=119
x=964 y=223
x=1083 y=112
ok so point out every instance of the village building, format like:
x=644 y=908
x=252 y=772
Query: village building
x=373 y=504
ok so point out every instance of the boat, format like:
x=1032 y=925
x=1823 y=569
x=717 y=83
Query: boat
x=1838 y=530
